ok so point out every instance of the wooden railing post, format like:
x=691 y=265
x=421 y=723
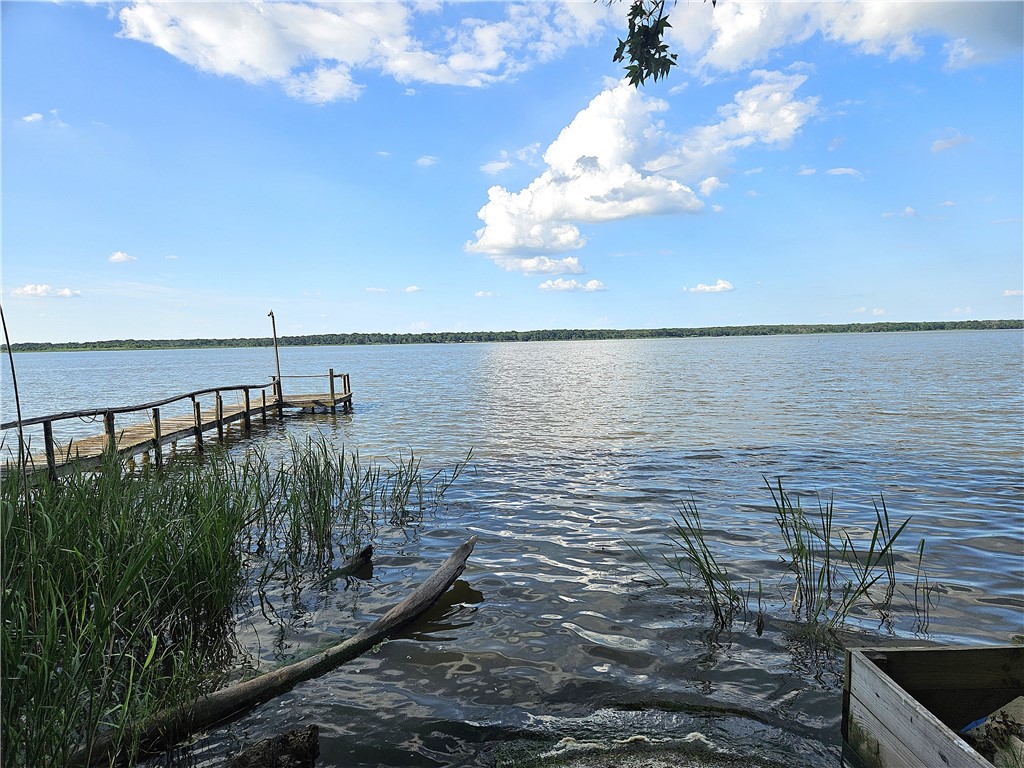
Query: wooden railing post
x=246 y=418
x=280 y=396
x=157 y=450
x=348 y=391
x=108 y=430
x=51 y=458
x=219 y=415
x=330 y=377
x=198 y=414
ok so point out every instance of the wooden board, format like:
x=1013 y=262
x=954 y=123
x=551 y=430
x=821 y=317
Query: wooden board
x=902 y=707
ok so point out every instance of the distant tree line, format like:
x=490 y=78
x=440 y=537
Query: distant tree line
x=561 y=334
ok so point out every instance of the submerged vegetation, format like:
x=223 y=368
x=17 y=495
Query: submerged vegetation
x=119 y=587
x=829 y=574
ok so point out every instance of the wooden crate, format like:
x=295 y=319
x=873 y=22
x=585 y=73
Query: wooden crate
x=904 y=706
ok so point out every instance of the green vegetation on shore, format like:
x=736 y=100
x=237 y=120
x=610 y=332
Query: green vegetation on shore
x=561 y=334
x=120 y=588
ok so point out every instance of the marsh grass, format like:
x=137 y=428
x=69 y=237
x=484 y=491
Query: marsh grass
x=830 y=572
x=120 y=587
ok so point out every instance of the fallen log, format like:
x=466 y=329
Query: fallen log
x=171 y=726
x=358 y=562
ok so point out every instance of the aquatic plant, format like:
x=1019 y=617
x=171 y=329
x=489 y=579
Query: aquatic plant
x=831 y=573
x=119 y=587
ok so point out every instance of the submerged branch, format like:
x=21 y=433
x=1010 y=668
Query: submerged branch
x=173 y=725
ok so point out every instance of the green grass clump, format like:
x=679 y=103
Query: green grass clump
x=120 y=587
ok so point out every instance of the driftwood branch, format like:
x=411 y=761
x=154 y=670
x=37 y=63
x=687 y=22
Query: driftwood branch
x=172 y=725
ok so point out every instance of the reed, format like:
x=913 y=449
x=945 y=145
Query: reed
x=119 y=587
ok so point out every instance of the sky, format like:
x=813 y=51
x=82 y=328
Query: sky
x=177 y=170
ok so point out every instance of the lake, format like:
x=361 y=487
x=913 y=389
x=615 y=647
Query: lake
x=583 y=454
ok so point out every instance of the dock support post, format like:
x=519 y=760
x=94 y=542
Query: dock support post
x=247 y=418
x=157 y=450
x=263 y=408
x=330 y=377
x=219 y=414
x=280 y=396
x=348 y=391
x=199 y=424
x=108 y=430
x=51 y=459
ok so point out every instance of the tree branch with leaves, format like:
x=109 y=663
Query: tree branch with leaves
x=645 y=48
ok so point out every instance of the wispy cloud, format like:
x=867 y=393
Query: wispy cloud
x=1013 y=292
x=941 y=145
x=540 y=265
x=483 y=294
x=426 y=161
x=35 y=117
x=718 y=287
x=376 y=290
x=878 y=312
x=561 y=284
x=120 y=257
x=845 y=172
x=40 y=290
x=413 y=289
x=807 y=172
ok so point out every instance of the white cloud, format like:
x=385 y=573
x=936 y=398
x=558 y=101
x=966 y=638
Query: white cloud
x=947 y=204
x=35 y=117
x=878 y=312
x=752 y=171
x=719 y=286
x=963 y=311
x=1013 y=292
x=483 y=294
x=540 y=265
x=711 y=184
x=941 y=145
x=413 y=289
x=806 y=172
x=845 y=172
x=41 y=290
x=616 y=161
x=426 y=161
x=860 y=310
x=738 y=35
x=561 y=284
x=171 y=257
x=383 y=153
x=314 y=50
x=497 y=166
x=120 y=257
x=376 y=290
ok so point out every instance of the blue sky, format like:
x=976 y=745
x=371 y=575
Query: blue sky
x=176 y=170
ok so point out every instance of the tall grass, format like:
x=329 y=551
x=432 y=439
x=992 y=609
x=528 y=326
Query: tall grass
x=119 y=587
x=829 y=573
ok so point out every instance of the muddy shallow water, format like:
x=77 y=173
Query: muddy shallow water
x=558 y=639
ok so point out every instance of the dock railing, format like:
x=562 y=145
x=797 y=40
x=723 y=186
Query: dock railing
x=251 y=400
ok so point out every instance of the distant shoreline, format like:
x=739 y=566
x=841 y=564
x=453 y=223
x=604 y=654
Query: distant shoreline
x=466 y=337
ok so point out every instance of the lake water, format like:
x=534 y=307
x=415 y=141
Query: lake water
x=583 y=453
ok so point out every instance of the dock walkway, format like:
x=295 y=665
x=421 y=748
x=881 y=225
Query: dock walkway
x=150 y=431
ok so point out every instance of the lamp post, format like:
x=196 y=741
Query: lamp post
x=277 y=359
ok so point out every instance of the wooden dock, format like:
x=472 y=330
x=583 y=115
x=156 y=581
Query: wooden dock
x=150 y=428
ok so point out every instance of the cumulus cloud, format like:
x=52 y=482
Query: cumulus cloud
x=1013 y=292
x=718 y=287
x=483 y=294
x=120 y=257
x=616 y=160
x=941 y=145
x=39 y=290
x=878 y=312
x=413 y=289
x=860 y=310
x=35 y=117
x=314 y=51
x=561 y=284
x=711 y=184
